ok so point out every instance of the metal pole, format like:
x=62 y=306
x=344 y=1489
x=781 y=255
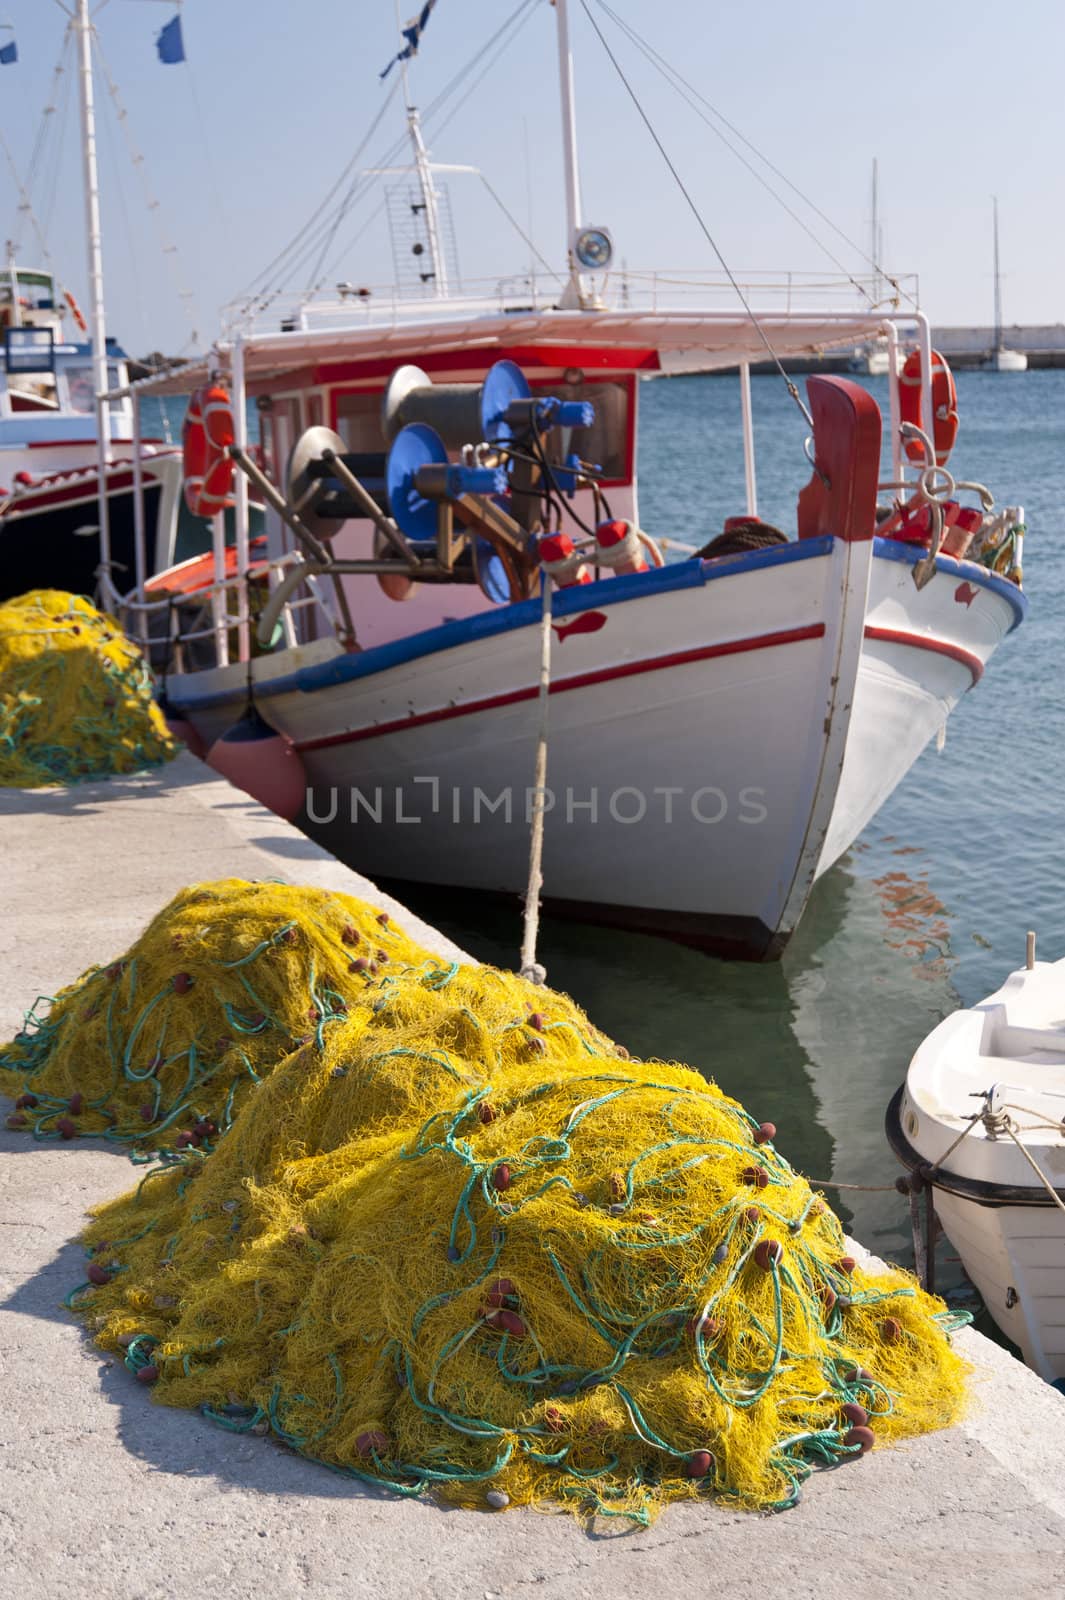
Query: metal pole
x=748 y=438
x=924 y=336
x=571 y=171
x=218 y=594
x=83 y=27
x=998 y=281
x=240 y=509
x=139 y=540
x=893 y=401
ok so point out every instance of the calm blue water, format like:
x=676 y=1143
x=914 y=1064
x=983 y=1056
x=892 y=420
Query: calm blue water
x=930 y=908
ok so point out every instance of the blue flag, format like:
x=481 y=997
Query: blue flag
x=170 y=45
x=8 y=54
x=412 y=33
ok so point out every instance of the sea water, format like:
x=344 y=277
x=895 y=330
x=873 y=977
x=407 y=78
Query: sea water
x=929 y=910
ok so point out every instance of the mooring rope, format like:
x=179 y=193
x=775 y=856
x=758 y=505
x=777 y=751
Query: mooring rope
x=530 y=967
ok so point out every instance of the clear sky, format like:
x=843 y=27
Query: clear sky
x=957 y=99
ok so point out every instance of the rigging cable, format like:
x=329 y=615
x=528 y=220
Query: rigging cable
x=691 y=94
x=792 y=387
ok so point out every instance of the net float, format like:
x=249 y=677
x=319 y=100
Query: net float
x=711 y=1327
x=554 y=1421
x=360 y=964
x=25 y=1100
x=720 y=1255
x=846 y=1264
x=16 y=1122
x=204 y=1128
x=98 y=1275
x=76 y=1103
x=383 y=918
x=856 y=1413
x=511 y=1323
x=699 y=1464
x=768 y=1253
x=182 y=982
x=617 y=1185
x=536 y=1045
x=757 y=1176
x=184 y=1139
x=537 y=1020
x=752 y=1216
x=372 y=1442
x=501 y=1176
x=380 y=955
x=891 y=1330
x=114 y=971
x=861 y=1436
x=487 y=1112
x=349 y=935
x=290 y=936
x=147 y=1113
x=764 y=1132
x=454 y=1253
x=497 y=1499
x=828 y=1296
x=499 y=1290
x=65 y=1128
x=373 y=969
x=148 y=1374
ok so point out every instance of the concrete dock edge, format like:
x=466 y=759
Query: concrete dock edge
x=103 y=1493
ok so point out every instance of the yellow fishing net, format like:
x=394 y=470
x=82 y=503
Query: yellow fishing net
x=75 y=695
x=159 y=1048
x=457 y=1241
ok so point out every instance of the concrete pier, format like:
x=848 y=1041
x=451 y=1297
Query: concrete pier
x=103 y=1493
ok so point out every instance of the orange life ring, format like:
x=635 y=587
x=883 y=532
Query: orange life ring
x=75 y=311
x=206 y=436
x=944 y=420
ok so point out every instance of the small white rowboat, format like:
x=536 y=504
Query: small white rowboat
x=981 y=1117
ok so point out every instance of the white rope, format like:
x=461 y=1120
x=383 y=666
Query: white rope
x=530 y=967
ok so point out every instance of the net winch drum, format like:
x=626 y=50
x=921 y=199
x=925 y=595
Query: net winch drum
x=306 y=468
x=461 y=413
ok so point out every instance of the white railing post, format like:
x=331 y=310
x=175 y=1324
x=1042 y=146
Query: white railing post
x=748 y=438
x=893 y=401
x=219 y=608
x=139 y=539
x=240 y=511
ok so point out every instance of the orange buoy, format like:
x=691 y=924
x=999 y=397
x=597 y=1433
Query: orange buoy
x=943 y=423
x=206 y=436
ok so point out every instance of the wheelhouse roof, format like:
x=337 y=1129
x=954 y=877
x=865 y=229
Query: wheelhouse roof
x=680 y=340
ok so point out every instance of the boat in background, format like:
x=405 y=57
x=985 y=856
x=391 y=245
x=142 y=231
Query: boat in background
x=451 y=482
x=1002 y=358
x=981 y=1120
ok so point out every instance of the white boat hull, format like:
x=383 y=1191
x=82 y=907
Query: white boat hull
x=713 y=746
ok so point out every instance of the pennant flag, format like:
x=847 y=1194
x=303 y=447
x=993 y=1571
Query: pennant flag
x=412 y=33
x=170 y=45
x=8 y=54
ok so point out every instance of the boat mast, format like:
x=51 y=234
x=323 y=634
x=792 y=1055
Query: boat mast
x=425 y=182
x=574 y=294
x=998 y=281
x=83 y=28
x=874 y=233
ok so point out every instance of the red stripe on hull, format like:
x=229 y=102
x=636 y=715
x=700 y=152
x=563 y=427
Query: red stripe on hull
x=924 y=641
x=582 y=680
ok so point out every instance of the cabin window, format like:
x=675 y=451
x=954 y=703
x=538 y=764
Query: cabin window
x=81 y=387
x=359 y=422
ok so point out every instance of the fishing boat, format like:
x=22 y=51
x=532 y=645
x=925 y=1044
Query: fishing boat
x=457 y=587
x=981 y=1119
x=1002 y=358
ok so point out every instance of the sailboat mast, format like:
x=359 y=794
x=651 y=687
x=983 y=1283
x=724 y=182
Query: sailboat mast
x=998 y=280
x=874 y=232
x=425 y=182
x=83 y=27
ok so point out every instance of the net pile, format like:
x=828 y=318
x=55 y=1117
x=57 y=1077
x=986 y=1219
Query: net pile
x=75 y=695
x=158 y=1049
x=457 y=1242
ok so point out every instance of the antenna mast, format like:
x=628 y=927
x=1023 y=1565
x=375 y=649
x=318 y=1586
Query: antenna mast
x=575 y=290
x=998 y=280
x=425 y=182
x=874 y=236
x=83 y=27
